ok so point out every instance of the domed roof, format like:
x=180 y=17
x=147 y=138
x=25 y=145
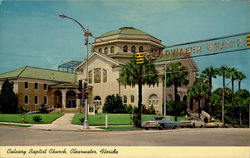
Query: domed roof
x=125 y=31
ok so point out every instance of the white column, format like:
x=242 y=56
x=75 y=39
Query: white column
x=63 y=98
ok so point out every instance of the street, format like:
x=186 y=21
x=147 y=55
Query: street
x=10 y=136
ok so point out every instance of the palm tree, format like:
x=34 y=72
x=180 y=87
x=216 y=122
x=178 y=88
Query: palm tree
x=239 y=76
x=232 y=73
x=177 y=75
x=223 y=71
x=210 y=73
x=141 y=74
x=199 y=90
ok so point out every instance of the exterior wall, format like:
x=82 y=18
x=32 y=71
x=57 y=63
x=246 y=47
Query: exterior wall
x=31 y=92
x=102 y=89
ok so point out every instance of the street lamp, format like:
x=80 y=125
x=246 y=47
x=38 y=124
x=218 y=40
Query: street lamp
x=86 y=34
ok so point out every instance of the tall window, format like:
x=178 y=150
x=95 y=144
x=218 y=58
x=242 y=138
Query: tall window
x=125 y=99
x=112 y=50
x=45 y=100
x=104 y=76
x=133 y=49
x=36 y=85
x=36 y=100
x=141 y=49
x=90 y=77
x=45 y=86
x=97 y=75
x=132 y=99
x=26 y=85
x=125 y=49
x=100 y=50
x=153 y=100
x=106 y=50
x=97 y=101
x=26 y=99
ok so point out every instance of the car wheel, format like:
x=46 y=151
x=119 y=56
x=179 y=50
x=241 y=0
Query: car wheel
x=161 y=127
x=193 y=126
x=146 y=128
x=174 y=127
x=201 y=126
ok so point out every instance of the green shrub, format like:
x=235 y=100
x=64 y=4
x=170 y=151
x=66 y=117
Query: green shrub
x=22 y=110
x=135 y=120
x=151 y=110
x=113 y=104
x=43 y=109
x=129 y=109
x=37 y=118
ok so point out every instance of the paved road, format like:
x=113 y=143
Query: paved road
x=180 y=137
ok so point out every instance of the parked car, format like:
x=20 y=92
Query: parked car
x=192 y=122
x=214 y=123
x=160 y=122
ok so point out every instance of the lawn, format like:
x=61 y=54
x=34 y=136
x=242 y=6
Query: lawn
x=46 y=118
x=113 y=119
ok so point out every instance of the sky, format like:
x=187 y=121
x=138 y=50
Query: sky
x=31 y=33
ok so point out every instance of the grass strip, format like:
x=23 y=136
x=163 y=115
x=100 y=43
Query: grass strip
x=119 y=128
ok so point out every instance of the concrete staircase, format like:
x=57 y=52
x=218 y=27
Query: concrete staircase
x=66 y=110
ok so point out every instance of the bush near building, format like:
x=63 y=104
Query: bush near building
x=8 y=101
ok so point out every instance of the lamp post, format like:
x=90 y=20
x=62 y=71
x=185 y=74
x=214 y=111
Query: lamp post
x=86 y=34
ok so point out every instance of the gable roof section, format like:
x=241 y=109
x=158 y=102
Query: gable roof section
x=40 y=73
x=104 y=56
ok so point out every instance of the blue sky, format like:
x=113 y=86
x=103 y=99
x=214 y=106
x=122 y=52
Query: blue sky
x=31 y=33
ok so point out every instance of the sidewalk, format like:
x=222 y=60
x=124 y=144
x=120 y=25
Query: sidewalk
x=64 y=124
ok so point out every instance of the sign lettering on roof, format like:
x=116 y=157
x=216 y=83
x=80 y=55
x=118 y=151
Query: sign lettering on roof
x=216 y=45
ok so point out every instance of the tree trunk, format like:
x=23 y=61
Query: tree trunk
x=223 y=99
x=240 y=120
x=199 y=102
x=239 y=84
x=175 y=101
x=232 y=80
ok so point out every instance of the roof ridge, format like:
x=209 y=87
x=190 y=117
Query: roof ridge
x=24 y=68
x=49 y=69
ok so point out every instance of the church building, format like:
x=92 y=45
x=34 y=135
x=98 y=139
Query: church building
x=109 y=53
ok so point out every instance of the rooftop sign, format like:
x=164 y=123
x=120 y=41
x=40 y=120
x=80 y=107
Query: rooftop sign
x=211 y=46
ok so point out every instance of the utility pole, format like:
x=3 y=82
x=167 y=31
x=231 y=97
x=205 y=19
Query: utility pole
x=86 y=34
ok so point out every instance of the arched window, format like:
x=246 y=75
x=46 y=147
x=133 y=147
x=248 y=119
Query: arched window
x=184 y=98
x=97 y=75
x=141 y=49
x=125 y=99
x=133 y=49
x=112 y=50
x=36 y=100
x=178 y=97
x=170 y=97
x=132 y=98
x=100 y=50
x=106 y=50
x=45 y=100
x=90 y=77
x=97 y=101
x=104 y=75
x=26 y=85
x=125 y=49
x=26 y=99
x=153 y=100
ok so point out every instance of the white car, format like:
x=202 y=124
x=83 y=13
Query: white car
x=192 y=122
